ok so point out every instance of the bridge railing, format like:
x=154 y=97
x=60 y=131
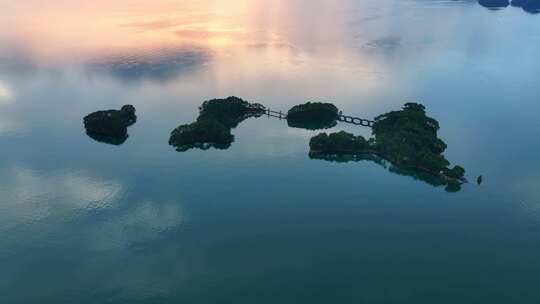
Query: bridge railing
x=276 y=114
x=343 y=118
x=356 y=120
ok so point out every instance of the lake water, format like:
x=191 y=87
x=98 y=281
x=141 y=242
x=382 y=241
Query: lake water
x=86 y=222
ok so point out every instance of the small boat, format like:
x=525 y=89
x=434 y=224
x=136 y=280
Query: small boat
x=480 y=179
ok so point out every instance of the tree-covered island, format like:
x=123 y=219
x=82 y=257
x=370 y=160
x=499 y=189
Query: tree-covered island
x=110 y=126
x=212 y=129
x=313 y=116
x=202 y=134
x=494 y=4
x=406 y=138
x=530 y=6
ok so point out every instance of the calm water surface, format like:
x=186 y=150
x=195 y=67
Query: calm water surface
x=86 y=222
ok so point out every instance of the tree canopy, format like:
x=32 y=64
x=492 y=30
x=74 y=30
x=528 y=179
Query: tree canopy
x=217 y=117
x=110 y=126
x=407 y=138
x=313 y=116
x=229 y=111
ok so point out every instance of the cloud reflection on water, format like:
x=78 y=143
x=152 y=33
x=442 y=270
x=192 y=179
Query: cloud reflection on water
x=140 y=223
x=158 y=65
x=6 y=94
x=158 y=42
x=29 y=197
x=528 y=6
x=8 y=124
x=62 y=214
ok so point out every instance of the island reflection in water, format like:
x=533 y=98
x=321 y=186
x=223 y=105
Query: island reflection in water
x=406 y=138
x=529 y=6
x=110 y=126
x=419 y=175
x=85 y=223
x=213 y=127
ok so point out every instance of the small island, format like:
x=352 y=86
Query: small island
x=530 y=6
x=230 y=111
x=494 y=4
x=313 y=116
x=406 y=138
x=202 y=134
x=212 y=129
x=110 y=126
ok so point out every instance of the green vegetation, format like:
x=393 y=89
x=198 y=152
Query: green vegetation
x=202 y=134
x=313 y=116
x=456 y=173
x=110 y=126
x=407 y=138
x=230 y=111
x=213 y=126
x=338 y=143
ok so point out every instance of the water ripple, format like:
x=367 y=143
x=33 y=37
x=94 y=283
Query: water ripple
x=31 y=197
x=159 y=65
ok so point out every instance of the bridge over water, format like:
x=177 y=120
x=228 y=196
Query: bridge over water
x=343 y=118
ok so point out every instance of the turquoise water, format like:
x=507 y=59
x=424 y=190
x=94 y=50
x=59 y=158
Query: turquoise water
x=86 y=222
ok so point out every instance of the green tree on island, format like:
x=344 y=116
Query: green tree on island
x=407 y=138
x=213 y=126
x=313 y=116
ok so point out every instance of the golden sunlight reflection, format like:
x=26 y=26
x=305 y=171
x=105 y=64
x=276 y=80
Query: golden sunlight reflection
x=129 y=35
x=60 y=28
x=54 y=28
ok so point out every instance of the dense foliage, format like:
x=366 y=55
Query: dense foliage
x=213 y=126
x=531 y=6
x=202 y=134
x=110 y=126
x=407 y=138
x=457 y=172
x=338 y=143
x=313 y=116
x=230 y=111
x=494 y=3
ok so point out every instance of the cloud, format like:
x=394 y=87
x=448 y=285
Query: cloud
x=157 y=66
x=142 y=223
x=30 y=197
x=389 y=45
x=6 y=94
x=189 y=20
x=153 y=25
x=72 y=216
x=10 y=126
